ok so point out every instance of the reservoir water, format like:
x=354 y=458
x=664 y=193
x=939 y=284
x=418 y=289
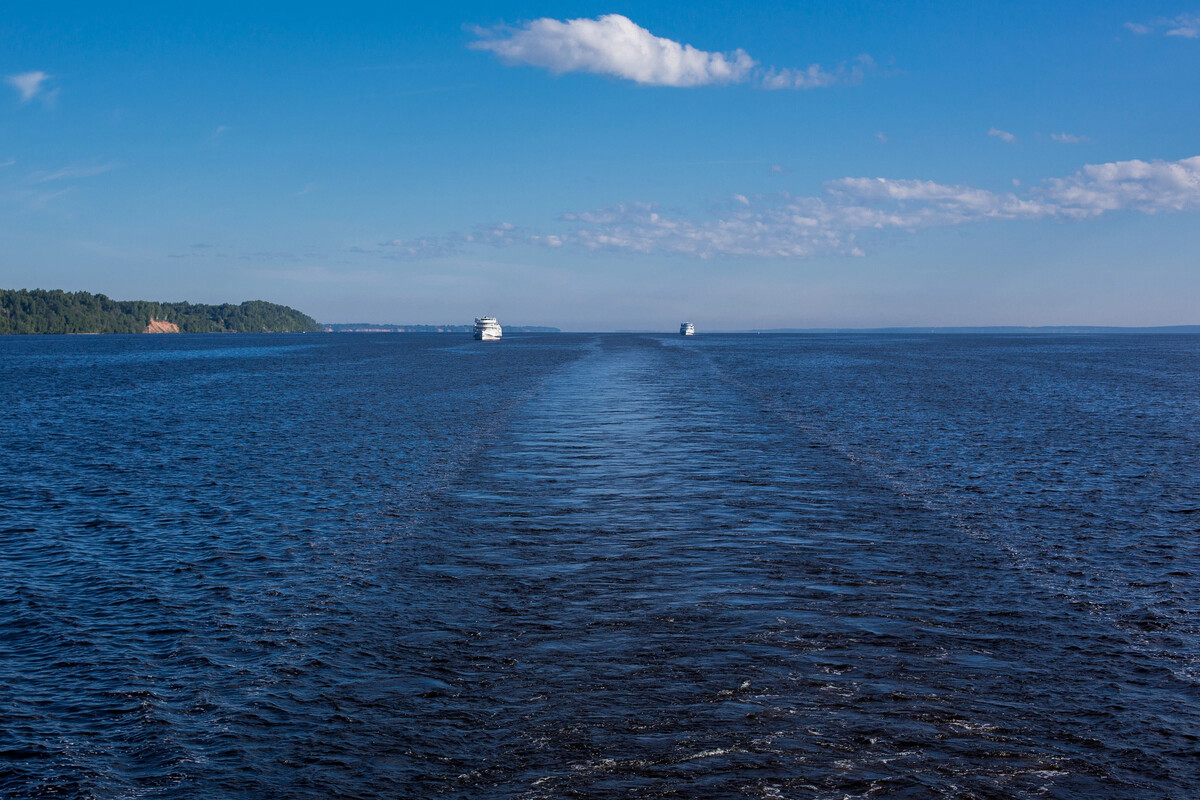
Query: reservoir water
x=596 y=566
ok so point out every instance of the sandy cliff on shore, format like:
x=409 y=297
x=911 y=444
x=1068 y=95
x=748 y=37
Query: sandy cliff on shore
x=161 y=326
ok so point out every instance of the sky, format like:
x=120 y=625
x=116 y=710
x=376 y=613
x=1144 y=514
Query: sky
x=607 y=167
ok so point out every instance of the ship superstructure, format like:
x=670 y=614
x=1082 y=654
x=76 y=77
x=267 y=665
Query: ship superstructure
x=487 y=329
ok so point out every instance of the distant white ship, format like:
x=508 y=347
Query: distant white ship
x=487 y=329
x=687 y=329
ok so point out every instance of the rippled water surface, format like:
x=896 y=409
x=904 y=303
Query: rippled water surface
x=600 y=566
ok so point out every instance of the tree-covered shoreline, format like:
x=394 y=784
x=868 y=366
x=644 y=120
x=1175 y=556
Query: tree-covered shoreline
x=54 y=311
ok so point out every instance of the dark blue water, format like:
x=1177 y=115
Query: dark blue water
x=600 y=566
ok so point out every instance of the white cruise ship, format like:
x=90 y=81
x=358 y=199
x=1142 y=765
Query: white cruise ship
x=487 y=329
x=687 y=329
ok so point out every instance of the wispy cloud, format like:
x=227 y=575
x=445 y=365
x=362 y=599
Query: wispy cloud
x=785 y=226
x=500 y=234
x=35 y=199
x=73 y=172
x=322 y=275
x=1068 y=138
x=419 y=248
x=792 y=227
x=28 y=84
x=200 y=250
x=297 y=255
x=816 y=76
x=615 y=46
x=1186 y=26
x=1003 y=136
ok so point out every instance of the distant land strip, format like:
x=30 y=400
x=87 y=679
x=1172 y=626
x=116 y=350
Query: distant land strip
x=368 y=327
x=54 y=311
x=1055 y=329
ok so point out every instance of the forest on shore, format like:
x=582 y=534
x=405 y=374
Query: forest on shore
x=56 y=311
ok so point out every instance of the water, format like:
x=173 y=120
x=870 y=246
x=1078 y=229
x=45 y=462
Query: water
x=600 y=566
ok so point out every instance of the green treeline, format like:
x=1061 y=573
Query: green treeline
x=42 y=311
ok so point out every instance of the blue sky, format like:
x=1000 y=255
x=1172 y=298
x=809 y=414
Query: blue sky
x=598 y=167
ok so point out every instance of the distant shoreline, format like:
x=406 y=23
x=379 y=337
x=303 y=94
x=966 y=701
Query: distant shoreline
x=1030 y=329
x=369 y=327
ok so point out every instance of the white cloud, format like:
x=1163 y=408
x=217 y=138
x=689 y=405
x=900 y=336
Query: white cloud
x=881 y=136
x=616 y=46
x=1186 y=26
x=613 y=45
x=1068 y=138
x=783 y=227
x=498 y=234
x=27 y=84
x=786 y=226
x=1145 y=186
x=1003 y=136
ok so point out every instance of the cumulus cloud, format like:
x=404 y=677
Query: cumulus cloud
x=28 y=84
x=613 y=45
x=616 y=46
x=1186 y=26
x=786 y=226
x=1146 y=186
x=1003 y=136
